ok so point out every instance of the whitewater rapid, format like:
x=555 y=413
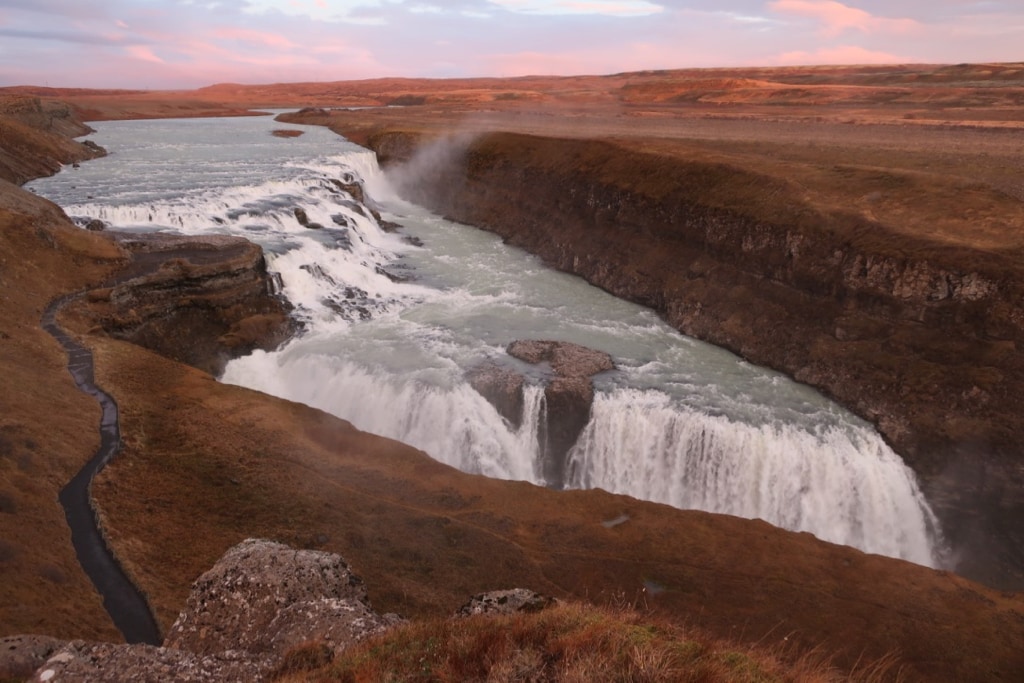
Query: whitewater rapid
x=394 y=319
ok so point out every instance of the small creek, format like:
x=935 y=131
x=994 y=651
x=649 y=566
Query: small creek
x=121 y=598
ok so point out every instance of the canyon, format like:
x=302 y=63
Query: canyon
x=914 y=331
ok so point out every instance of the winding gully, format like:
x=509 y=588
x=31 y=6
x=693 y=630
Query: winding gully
x=121 y=598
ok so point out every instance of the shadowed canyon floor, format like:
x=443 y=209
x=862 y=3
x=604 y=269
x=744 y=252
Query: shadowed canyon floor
x=205 y=464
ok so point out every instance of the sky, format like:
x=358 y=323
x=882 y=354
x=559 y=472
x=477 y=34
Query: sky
x=175 y=44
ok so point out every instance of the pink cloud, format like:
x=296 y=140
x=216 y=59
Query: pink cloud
x=633 y=57
x=256 y=37
x=143 y=53
x=836 y=17
x=844 y=54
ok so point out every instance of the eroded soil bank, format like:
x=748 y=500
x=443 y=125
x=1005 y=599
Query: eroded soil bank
x=910 y=330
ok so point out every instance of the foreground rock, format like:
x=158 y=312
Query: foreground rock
x=83 y=661
x=264 y=598
x=568 y=395
x=21 y=655
x=198 y=300
x=243 y=616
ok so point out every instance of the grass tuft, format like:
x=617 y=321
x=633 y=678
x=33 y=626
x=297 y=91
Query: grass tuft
x=573 y=643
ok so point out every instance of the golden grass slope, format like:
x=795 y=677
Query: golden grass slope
x=48 y=429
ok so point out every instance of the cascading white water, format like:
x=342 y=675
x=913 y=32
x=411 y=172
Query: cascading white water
x=391 y=329
x=841 y=483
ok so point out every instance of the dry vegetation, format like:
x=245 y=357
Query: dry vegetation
x=570 y=643
x=47 y=427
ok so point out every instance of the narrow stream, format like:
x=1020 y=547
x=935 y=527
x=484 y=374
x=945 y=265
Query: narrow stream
x=123 y=601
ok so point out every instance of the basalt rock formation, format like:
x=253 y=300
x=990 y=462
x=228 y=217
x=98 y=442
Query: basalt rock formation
x=201 y=301
x=913 y=335
x=568 y=395
x=502 y=387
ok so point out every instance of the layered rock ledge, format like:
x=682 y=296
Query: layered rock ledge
x=198 y=300
x=36 y=138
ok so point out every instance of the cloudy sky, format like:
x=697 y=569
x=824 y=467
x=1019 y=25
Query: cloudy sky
x=162 y=44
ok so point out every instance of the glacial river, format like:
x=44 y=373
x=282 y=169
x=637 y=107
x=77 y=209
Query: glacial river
x=393 y=320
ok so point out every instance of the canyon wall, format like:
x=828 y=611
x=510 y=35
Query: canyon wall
x=917 y=337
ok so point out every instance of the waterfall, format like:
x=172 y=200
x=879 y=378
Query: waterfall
x=841 y=483
x=447 y=419
x=391 y=328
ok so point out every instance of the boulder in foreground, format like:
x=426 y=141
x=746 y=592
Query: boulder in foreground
x=258 y=602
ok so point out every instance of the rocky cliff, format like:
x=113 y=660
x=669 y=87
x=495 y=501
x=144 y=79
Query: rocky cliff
x=913 y=335
x=36 y=138
x=201 y=301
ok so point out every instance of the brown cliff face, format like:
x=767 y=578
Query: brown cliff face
x=918 y=337
x=35 y=138
x=201 y=301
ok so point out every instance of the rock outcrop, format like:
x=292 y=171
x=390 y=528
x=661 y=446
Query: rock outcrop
x=258 y=605
x=502 y=387
x=915 y=336
x=506 y=602
x=20 y=656
x=568 y=395
x=35 y=138
x=244 y=615
x=198 y=300
x=84 y=661
x=264 y=598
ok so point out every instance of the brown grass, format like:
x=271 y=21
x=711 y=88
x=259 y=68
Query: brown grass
x=47 y=427
x=571 y=642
